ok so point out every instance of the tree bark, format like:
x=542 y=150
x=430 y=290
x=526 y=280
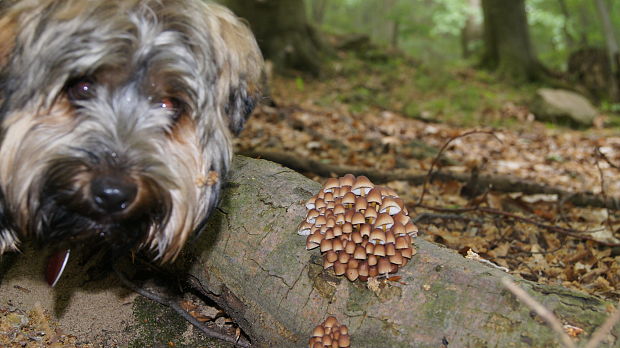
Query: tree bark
x=283 y=33
x=471 y=31
x=255 y=263
x=318 y=11
x=613 y=53
x=251 y=261
x=508 y=50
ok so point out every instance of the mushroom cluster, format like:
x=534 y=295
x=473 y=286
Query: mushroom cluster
x=330 y=334
x=363 y=230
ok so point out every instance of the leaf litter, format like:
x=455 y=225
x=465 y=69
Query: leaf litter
x=337 y=133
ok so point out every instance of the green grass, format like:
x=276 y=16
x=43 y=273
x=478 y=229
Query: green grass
x=458 y=95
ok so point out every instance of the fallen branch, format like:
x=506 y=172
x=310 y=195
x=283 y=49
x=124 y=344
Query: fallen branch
x=173 y=304
x=497 y=183
x=584 y=235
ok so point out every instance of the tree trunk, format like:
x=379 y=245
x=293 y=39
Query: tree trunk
x=508 y=50
x=283 y=33
x=613 y=52
x=471 y=31
x=256 y=267
x=568 y=38
x=318 y=11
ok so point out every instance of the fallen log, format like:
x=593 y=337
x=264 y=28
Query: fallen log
x=259 y=271
x=251 y=261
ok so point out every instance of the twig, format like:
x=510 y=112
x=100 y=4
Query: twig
x=606 y=159
x=543 y=312
x=603 y=191
x=566 y=231
x=599 y=335
x=441 y=151
x=164 y=300
x=418 y=219
x=500 y=183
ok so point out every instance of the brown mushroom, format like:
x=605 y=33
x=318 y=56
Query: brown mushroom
x=363 y=231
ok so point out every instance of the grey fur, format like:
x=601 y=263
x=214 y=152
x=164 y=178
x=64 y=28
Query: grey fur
x=137 y=51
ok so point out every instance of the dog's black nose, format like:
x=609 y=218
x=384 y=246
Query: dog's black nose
x=113 y=194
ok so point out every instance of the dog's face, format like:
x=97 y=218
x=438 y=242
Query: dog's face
x=116 y=119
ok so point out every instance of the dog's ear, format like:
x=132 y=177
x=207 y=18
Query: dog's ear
x=241 y=67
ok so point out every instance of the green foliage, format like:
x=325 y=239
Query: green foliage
x=430 y=30
x=299 y=83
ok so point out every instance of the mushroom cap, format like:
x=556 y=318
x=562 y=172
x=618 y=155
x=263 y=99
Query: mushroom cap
x=347 y=180
x=337 y=245
x=339 y=268
x=359 y=253
x=384 y=266
x=318 y=331
x=330 y=184
x=326 y=245
x=330 y=321
x=377 y=235
x=411 y=229
x=361 y=204
x=310 y=202
x=348 y=198
x=314 y=240
x=305 y=229
x=358 y=218
x=384 y=219
x=365 y=230
x=379 y=250
x=370 y=214
x=339 y=209
x=374 y=196
x=362 y=185
x=390 y=206
x=352 y=274
x=402 y=243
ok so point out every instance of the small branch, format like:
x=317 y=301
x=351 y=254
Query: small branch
x=599 y=335
x=164 y=300
x=499 y=183
x=566 y=231
x=543 y=312
x=441 y=151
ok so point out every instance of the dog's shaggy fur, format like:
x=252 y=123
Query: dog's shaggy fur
x=116 y=119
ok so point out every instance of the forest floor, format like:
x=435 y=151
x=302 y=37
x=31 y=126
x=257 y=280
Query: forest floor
x=392 y=115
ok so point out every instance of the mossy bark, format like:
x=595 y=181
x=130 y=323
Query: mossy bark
x=507 y=47
x=253 y=260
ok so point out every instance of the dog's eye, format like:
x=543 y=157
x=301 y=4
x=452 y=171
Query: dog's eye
x=80 y=90
x=172 y=105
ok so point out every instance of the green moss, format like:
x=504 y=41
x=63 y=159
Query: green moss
x=438 y=308
x=157 y=325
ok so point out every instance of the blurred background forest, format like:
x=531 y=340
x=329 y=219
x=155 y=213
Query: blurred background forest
x=496 y=121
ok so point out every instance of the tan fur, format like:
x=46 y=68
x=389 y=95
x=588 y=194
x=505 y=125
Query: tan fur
x=133 y=53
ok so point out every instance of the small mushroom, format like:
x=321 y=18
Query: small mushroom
x=361 y=186
x=330 y=185
x=333 y=335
